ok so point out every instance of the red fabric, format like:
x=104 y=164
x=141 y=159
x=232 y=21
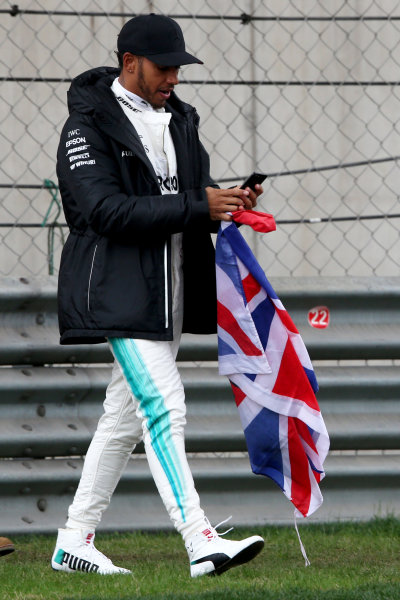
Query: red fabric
x=259 y=221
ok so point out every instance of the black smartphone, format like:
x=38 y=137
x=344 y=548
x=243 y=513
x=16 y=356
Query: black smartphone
x=252 y=180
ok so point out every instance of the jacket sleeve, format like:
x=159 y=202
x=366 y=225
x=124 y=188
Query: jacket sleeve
x=90 y=184
x=207 y=181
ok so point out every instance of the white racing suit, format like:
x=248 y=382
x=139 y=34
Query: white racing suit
x=145 y=398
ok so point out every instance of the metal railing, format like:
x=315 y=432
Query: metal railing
x=51 y=396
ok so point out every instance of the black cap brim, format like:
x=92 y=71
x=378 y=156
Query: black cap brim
x=173 y=59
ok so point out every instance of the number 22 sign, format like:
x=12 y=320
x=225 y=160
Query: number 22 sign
x=318 y=317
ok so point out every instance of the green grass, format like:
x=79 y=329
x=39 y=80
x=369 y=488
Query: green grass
x=349 y=561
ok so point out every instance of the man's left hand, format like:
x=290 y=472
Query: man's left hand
x=251 y=200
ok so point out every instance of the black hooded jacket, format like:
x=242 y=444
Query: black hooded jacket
x=114 y=280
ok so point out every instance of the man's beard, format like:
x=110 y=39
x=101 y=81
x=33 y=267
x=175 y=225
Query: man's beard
x=145 y=89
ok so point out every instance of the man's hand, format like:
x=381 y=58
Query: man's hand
x=253 y=195
x=221 y=202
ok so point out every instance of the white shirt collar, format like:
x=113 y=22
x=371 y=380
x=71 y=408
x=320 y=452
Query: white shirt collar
x=138 y=101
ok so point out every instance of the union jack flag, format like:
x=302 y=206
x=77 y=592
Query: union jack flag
x=267 y=363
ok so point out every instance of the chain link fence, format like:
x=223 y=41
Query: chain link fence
x=307 y=92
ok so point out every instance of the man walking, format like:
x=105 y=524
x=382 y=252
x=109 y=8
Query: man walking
x=140 y=205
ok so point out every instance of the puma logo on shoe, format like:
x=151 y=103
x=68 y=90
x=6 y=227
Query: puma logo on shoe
x=74 y=562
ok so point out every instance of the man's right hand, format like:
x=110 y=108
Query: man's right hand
x=221 y=202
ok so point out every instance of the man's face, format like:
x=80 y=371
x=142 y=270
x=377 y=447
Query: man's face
x=154 y=83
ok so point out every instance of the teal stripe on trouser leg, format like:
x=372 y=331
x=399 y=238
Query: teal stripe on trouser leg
x=152 y=405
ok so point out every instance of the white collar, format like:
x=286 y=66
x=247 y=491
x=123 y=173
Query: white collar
x=138 y=101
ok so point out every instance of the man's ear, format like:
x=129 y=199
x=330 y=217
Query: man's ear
x=129 y=62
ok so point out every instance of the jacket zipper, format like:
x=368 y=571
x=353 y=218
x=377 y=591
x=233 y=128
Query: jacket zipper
x=166 y=283
x=165 y=246
x=90 y=278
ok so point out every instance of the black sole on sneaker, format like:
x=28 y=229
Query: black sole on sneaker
x=241 y=558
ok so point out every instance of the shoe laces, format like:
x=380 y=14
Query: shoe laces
x=90 y=544
x=211 y=532
x=221 y=523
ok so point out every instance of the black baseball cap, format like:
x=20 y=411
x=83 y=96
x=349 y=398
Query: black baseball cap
x=156 y=37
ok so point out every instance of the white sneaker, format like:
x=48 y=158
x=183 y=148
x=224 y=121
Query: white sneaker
x=210 y=554
x=75 y=551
